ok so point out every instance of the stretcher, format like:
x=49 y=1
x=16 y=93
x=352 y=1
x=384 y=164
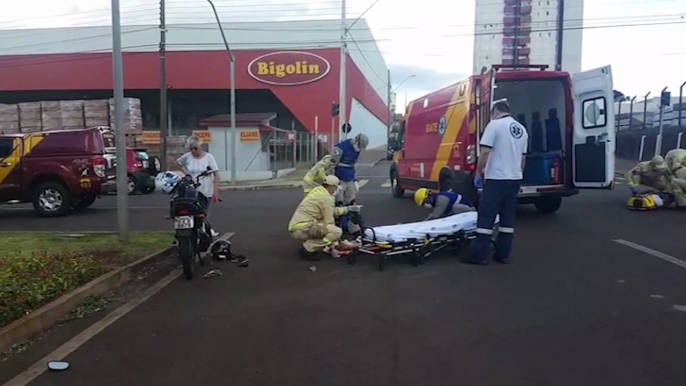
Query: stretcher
x=419 y=240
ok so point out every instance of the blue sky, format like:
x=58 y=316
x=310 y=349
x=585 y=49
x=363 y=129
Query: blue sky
x=429 y=39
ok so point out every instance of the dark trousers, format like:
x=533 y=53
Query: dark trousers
x=499 y=197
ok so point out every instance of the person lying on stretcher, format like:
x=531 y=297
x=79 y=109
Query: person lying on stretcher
x=442 y=204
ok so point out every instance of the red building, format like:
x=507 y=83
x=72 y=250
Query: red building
x=297 y=78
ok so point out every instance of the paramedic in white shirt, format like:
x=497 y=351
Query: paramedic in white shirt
x=197 y=161
x=500 y=165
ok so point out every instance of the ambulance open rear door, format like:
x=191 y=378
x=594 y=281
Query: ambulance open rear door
x=594 y=129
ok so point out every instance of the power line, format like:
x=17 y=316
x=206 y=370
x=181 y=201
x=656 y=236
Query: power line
x=233 y=6
x=367 y=61
x=329 y=43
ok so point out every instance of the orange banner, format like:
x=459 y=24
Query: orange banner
x=151 y=137
x=204 y=135
x=250 y=136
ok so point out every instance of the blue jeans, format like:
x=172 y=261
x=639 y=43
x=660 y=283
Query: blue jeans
x=499 y=197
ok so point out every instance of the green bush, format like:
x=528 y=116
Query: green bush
x=28 y=282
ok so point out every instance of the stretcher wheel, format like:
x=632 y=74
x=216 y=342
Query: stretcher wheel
x=382 y=263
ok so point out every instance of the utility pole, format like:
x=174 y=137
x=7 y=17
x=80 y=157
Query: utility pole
x=163 y=86
x=232 y=95
x=518 y=18
x=343 y=115
x=390 y=113
x=560 y=33
x=118 y=91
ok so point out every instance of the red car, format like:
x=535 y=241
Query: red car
x=141 y=169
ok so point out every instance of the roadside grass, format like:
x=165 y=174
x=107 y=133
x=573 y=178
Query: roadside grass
x=36 y=268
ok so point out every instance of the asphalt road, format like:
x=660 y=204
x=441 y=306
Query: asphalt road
x=574 y=307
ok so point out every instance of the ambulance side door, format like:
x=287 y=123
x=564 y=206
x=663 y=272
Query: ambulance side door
x=594 y=130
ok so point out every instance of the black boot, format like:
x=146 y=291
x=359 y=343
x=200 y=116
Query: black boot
x=307 y=256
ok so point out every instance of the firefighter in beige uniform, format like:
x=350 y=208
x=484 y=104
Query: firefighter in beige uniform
x=313 y=221
x=657 y=174
x=676 y=162
x=318 y=173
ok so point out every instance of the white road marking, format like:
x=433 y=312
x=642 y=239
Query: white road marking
x=363 y=183
x=680 y=308
x=74 y=343
x=386 y=184
x=658 y=254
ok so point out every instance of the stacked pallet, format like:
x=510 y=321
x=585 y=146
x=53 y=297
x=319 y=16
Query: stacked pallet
x=31 y=117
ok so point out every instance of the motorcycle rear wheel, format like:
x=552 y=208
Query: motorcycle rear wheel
x=187 y=256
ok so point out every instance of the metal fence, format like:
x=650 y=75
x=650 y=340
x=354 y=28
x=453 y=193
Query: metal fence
x=638 y=127
x=290 y=149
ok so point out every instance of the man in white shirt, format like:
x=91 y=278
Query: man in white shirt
x=501 y=165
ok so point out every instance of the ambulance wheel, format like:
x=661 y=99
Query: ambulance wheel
x=396 y=189
x=548 y=205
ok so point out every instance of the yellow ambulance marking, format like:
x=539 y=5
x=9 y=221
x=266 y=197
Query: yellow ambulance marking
x=18 y=151
x=454 y=116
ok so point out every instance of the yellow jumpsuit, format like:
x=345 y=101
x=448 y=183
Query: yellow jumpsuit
x=317 y=207
x=316 y=175
x=646 y=174
x=676 y=162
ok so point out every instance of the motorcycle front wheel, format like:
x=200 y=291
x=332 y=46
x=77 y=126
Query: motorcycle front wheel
x=187 y=254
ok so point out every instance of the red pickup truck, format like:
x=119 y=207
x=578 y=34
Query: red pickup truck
x=57 y=171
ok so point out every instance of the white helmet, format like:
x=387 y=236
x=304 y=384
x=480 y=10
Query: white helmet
x=362 y=141
x=166 y=181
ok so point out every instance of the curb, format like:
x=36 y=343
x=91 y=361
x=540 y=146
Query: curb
x=47 y=316
x=295 y=184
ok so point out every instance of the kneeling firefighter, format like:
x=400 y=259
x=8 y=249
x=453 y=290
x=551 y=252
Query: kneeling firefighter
x=315 y=177
x=676 y=162
x=442 y=204
x=345 y=155
x=313 y=221
x=656 y=174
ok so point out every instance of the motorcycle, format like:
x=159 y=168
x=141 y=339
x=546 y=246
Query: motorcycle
x=192 y=231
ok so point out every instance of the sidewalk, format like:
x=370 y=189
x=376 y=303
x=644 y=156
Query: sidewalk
x=292 y=180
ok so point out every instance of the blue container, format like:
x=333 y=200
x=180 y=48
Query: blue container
x=540 y=169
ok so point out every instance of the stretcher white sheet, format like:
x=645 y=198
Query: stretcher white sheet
x=419 y=230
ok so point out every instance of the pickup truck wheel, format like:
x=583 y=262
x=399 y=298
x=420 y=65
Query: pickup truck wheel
x=548 y=205
x=85 y=202
x=396 y=188
x=52 y=199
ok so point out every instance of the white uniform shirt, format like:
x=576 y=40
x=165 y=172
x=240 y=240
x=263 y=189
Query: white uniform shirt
x=195 y=166
x=508 y=141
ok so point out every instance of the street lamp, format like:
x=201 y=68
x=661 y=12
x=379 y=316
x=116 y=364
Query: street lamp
x=401 y=83
x=232 y=76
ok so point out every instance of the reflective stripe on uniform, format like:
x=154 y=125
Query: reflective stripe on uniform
x=344 y=165
x=299 y=226
x=483 y=231
x=506 y=230
x=308 y=178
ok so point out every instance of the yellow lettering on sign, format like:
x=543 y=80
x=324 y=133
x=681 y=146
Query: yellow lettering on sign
x=300 y=67
x=432 y=128
x=250 y=136
x=204 y=135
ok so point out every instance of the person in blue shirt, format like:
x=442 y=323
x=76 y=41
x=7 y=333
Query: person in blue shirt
x=442 y=204
x=344 y=156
